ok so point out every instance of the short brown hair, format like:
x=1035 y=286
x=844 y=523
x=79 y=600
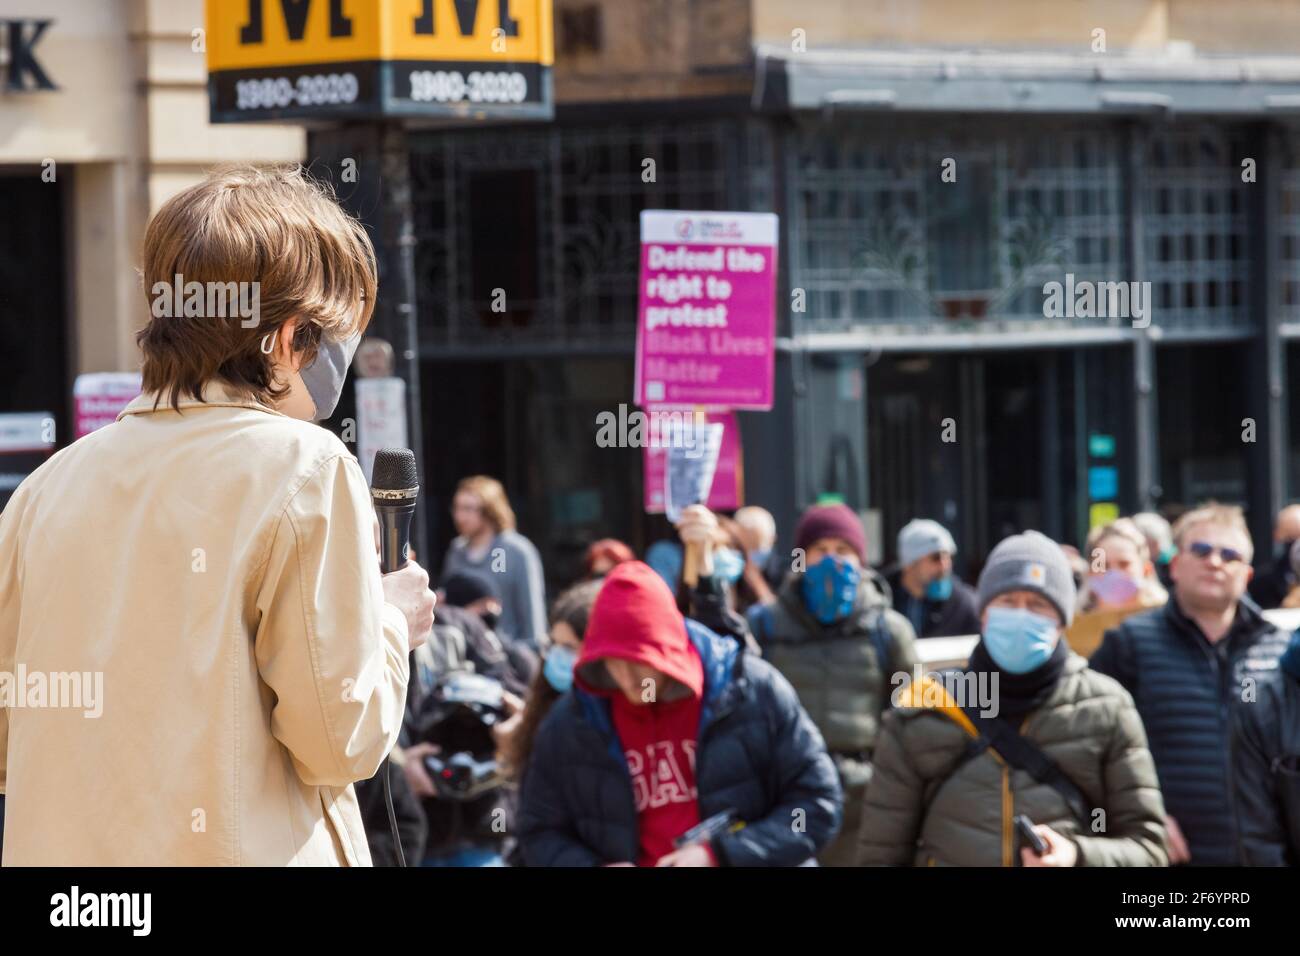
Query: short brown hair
x=496 y=506
x=1211 y=512
x=269 y=225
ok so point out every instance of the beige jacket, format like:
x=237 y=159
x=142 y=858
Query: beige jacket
x=216 y=567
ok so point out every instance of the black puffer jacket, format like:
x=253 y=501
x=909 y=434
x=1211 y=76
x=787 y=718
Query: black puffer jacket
x=1187 y=690
x=758 y=754
x=1266 y=761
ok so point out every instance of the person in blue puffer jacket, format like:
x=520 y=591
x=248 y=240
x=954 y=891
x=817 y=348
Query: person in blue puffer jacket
x=668 y=725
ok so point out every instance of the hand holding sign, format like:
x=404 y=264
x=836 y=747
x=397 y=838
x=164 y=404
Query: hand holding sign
x=698 y=529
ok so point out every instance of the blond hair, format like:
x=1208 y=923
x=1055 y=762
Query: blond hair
x=1124 y=528
x=1150 y=591
x=496 y=506
x=1211 y=512
x=276 y=229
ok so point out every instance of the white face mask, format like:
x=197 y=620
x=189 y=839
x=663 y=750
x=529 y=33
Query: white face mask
x=325 y=376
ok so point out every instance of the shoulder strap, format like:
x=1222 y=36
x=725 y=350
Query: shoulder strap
x=881 y=641
x=974 y=747
x=1015 y=749
x=1023 y=754
x=930 y=694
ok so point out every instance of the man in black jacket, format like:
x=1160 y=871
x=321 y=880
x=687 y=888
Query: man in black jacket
x=667 y=726
x=924 y=588
x=1189 y=666
x=1266 y=759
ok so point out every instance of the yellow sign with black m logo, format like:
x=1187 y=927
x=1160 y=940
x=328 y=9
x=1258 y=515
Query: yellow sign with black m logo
x=357 y=59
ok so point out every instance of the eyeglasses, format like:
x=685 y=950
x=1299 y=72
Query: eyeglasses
x=1204 y=551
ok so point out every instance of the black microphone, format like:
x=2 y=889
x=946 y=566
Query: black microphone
x=394 y=488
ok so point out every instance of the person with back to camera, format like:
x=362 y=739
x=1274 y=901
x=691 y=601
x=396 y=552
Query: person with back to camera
x=227 y=583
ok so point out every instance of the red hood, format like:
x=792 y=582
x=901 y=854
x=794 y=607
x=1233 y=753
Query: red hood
x=636 y=619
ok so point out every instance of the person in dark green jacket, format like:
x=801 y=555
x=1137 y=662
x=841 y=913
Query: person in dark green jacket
x=834 y=636
x=948 y=782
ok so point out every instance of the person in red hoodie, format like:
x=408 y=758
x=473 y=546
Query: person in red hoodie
x=669 y=724
x=637 y=656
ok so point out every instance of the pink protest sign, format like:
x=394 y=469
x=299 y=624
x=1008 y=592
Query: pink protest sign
x=706 y=313
x=99 y=396
x=728 y=490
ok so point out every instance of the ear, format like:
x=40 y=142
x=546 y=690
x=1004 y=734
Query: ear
x=284 y=345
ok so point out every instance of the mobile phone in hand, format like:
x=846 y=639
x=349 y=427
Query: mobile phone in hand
x=1028 y=837
x=706 y=830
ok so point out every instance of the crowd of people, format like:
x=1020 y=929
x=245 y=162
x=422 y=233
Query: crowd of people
x=721 y=702
x=725 y=703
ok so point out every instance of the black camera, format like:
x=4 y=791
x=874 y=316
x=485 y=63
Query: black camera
x=458 y=718
x=461 y=777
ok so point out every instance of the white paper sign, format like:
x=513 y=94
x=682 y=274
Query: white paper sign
x=381 y=418
x=689 y=467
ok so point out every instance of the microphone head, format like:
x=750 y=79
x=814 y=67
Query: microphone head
x=394 y=470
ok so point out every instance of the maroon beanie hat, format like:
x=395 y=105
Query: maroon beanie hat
x=831 y=521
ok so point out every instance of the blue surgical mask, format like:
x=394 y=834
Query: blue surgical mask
x=830 y=588
x=728 y=564
x=940 y=589
x=324 y=377
x=1019 y=640
x=558 y=667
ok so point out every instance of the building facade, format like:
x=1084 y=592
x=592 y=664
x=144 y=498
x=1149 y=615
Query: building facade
x=928 y=197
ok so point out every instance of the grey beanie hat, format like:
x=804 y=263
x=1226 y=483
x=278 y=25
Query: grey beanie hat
x=920 y=537
x=1029 y=562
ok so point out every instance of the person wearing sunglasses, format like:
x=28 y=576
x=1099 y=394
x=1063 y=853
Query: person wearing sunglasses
x=1191 y=666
